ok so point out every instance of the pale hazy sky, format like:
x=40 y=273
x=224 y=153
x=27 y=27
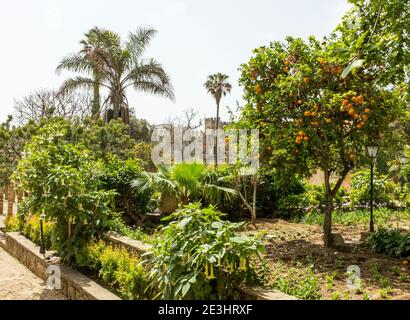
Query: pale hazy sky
x=195 y=38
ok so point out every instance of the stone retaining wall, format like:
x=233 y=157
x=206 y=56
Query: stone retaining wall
x=75 y=285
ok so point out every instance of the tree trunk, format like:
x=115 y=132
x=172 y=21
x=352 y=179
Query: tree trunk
x=253 y=217
x=116 y=106
x=216 y=137
x=327 y=224
x=95 y=110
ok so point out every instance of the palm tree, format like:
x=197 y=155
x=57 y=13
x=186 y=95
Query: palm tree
x=218 y=86
x=186 y=181
x=108 y=63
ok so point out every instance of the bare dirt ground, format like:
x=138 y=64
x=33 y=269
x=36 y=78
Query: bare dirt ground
x=299 y=247
x=19 y=283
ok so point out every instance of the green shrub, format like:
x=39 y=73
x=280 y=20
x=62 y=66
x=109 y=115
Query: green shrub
x=31 y=230
x=382 y=216
x=360 y=189
x=118 y=269
x=199 y=256
x=117 y=224
x=391 y=242
x=60 y=180
x=304 y=285
x=12 y=224
x=117 y=175
x=310 y=200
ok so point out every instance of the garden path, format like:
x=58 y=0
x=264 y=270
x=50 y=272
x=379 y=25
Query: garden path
x=19 y=283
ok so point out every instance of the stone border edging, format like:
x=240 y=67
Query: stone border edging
x=250 y=293
x=75 y=285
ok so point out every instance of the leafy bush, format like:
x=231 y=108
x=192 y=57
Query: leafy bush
x=283 y=195
x=310 y=199
x=59 y=180
x=304 y=285
x=118 y=269
x=31 y=230
x=360 y=189
x=117 y=175
x=381 y=217
x=116 y=223
x=104 y=139
x=12 y=224
x=391 y=242
x=199 y=256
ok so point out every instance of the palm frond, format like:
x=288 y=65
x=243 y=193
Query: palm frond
x=138 y=41
x=150 y=77
x=75 y=63
x=76 y=83
x=218 y=194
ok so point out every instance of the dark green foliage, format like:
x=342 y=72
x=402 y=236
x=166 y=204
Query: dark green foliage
x=200 y=256
x=117 y=175
x=391 y=242
x=383 y=189
x=59 y=180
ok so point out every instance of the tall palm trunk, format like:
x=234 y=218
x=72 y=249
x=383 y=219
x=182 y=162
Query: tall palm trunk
x=116 y=106
x=95 y=110
x=216 y=137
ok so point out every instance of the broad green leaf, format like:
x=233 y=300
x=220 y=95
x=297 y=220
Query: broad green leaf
x=353 y=65
x=186 y=288
x=360 y=40
x=184 y=222
x=217 y=225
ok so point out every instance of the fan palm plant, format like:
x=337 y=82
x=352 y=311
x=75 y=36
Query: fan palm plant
x=186 y=181
x=108 y=63
x=218 y=86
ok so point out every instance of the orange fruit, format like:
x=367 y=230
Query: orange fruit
x=314 y=114
x=349 y=106
x=300 y=101
x=306 y=138
x=307 y=113
x=367 y=110
x=328 y=120
x=286 y=69
x=356 y=116
x=306 y=80
x=404 y=262
x=286 y=62
x=362 y=123
x=365 y=117
x=352 y=111
x=301 y=133
x=345 y=102
x=258 y=89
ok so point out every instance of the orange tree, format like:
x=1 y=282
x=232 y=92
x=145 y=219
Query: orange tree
x=309 y=116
